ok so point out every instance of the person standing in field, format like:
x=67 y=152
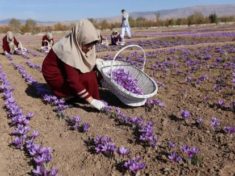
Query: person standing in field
x=125 y=26
x=10 y=45
x=69 y=67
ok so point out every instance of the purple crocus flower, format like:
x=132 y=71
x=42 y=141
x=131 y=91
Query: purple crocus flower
x=190 y=151
x=104 y=144
x=153 y=102
x=75 y=123
x=229 y=130
x=221 y=102
x=39 y=159
x=146 y=134
x=215 y=122
x=171 y=144
x=122 y=151
x=33 y=149
x=174 y=157
x=18 y=142
x=185 y=114
x=53 y=172
x=85 y=127
x=21 y=130
x=219 y=59
x=199 y=121
x=42 y=171
x=134 y=165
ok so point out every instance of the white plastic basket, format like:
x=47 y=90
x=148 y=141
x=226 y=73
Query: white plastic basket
x=147 y=84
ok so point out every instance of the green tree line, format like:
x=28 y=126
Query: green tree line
x=196 y=18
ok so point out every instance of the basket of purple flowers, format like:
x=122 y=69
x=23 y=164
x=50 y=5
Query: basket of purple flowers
x=130 y=84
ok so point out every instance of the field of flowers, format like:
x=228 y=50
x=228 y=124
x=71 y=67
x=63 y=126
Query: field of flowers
x=187 y=129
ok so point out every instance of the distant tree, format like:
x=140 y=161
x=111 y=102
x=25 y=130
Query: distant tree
x=30 y=26
x=195 y=18
x=14 y=25
x=157 y=16
x=213 y=18
x=104 y=24
x=140 y=22
x=179 y=21
x=227 y=18
x=46 y=28
x=4 y=29
x=170 y=22
x=60 y=27
x=132 y=21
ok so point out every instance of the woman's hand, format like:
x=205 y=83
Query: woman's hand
x=99 y=105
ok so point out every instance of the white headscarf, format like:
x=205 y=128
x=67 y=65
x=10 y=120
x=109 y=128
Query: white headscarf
x=10 y=40
x=68 y=49
x=10 y=37
x=49 y=35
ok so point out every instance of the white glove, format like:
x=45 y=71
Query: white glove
x=6 y=53
x=97 y=104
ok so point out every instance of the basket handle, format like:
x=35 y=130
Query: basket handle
x=122 y=49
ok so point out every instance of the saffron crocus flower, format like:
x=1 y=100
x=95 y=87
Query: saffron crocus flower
x=215 y=122
x=34 y=66
x=171 y=144
x=137 y=121
x=153 y=102
x=18 y=142
x=199 y=121
x=21 y=130
x=42 y=171
x=74 y=123
x=85 y=127
x=220 y=102
x=33 y=149
x=219 y=59
x=190 y=151
x=185 y=114
x=146 y=134
x=104 y=144
x=122 y=151
x=134 y=165
x=229 y=130
x=53 y=172
x=174 y=157
x=35 y=134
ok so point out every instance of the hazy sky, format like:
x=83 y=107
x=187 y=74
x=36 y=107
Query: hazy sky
x=60 y=10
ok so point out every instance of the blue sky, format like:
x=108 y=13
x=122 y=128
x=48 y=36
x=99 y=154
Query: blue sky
x=61 y=10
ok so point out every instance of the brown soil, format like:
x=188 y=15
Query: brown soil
x=70 y=152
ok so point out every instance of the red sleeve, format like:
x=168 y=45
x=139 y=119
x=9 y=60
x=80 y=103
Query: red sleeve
x=5 y=45
x=74 y=82
x=16 y=42
x=43 y=42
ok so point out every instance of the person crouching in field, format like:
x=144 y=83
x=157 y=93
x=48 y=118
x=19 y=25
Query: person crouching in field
x=47 y=42
x=69 y=67
x=115 y=38
x=10 y=45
